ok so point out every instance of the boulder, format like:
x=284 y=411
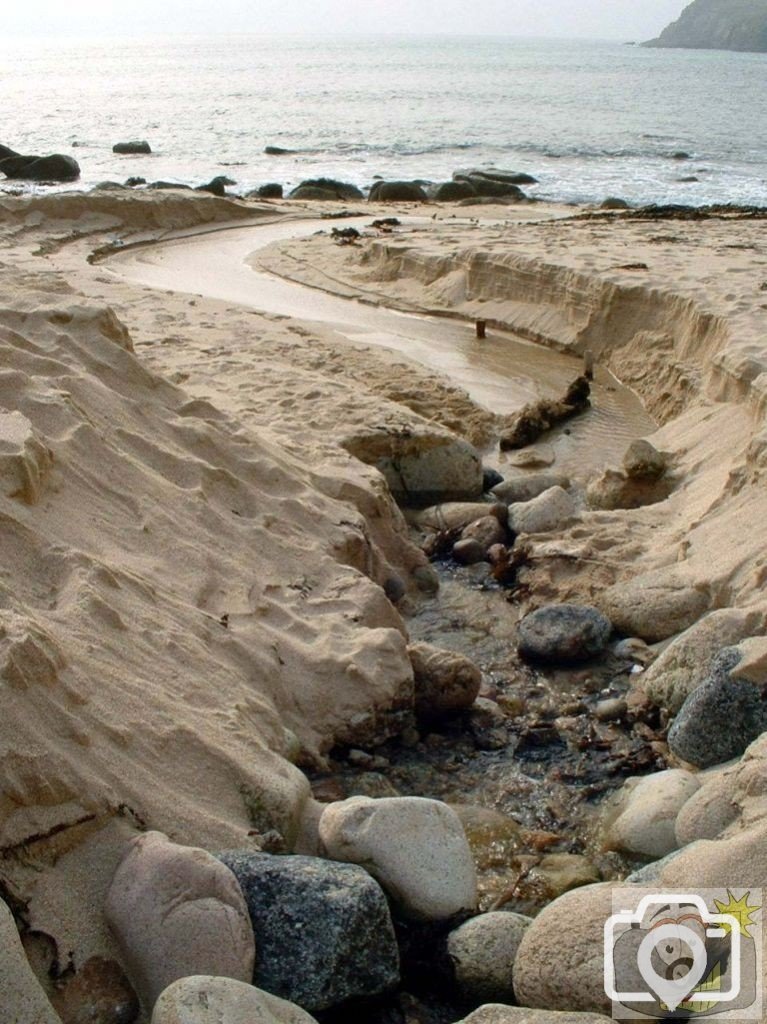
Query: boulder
x=721 y=717
x=494 y=174
x=718 y=863
x=482 y=953
x=313 y=193
x=415 y=847
x=492 y=187
x=323 y=930
x=278 y=151
x=22 y=1000
x=451 y=191
x=496 y=1013
x=423 y=466
x=210 y=1000
x=133 y=181
x=613 y=203
x=56 y=167
x=130 y=148
x=163 y=185
x=550 y=511
x=397 y=192
x=337 y=189
x=445 y=681
x=654 y=606
x=176 y=911
x=271 y=190
x=564 y=633
x=216 y=186
x=525 y=488
x=684 y=664
x=646 y=823
x=560 y=961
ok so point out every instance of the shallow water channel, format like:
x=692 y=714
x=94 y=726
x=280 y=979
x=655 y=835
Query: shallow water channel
x=543 y=761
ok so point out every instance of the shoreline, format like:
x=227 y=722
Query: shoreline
x=165 y=423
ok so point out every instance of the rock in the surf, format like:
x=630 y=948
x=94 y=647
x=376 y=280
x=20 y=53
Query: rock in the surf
x=397 y=192
x=131 y=148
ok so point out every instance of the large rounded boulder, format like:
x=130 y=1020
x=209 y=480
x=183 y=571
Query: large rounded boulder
x=397 y=192
x=56 y=168
x=313 y=188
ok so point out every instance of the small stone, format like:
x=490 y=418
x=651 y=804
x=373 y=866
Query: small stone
x=468 y=552
x=482 y=952
x=323 y=930
x=490 y=478
x=488 y=725
x=210 y=1000
x=564 y=633
x=176 y=911
x=445 y=681
x=426 y=579
x=415 y=847
x=525 y=488
x=488 y=531
x=394 y=589
x=642 y=461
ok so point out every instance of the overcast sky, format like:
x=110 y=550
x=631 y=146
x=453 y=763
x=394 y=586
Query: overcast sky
x=596 y=19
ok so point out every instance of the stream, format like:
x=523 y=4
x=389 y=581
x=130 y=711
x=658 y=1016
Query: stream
x=535 y=771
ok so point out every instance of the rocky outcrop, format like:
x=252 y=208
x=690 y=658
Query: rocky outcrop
x=55 y=167
x=718 y=25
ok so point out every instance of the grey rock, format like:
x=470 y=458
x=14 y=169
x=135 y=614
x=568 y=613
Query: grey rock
x=337 y=189
x=613 y=203
x=56 y=167
x=721 y=717
x=654 y=606
x=397 y=192
x=271 y=190
x=549 y=512
x=495 y=174
x=563 y=633
x=451 y=191
x=323 y=930
x=487 y=530
x=497 y=1013
x=129 y=148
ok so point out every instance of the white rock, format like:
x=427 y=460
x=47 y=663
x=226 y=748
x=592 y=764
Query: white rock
x=415 y=848
x=482 y=952
x=550 y=511
x=209 y=1000
x=177 y=911
x=646 y=825
x=22 y=1000
x=560 y=961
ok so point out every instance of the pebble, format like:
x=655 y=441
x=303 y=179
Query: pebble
x=610 y=710
x=416 y=848
x=177 y=911
x=468 y=552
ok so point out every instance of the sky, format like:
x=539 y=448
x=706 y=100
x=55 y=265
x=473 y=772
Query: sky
x=591 y=19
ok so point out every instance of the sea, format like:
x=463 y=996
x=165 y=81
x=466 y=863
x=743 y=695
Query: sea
x=588 y=119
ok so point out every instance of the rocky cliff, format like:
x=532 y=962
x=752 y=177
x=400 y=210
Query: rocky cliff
x=718 y=25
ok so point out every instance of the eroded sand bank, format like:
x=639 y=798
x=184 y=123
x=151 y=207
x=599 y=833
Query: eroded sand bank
x=192 y=560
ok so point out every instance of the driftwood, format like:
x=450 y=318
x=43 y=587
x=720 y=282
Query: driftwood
x=535 y=419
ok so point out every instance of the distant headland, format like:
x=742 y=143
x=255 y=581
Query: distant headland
x=718 y=25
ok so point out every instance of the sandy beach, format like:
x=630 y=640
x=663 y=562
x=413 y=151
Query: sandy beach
x=205 y=576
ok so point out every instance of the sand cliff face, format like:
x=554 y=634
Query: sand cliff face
x=718 y=25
